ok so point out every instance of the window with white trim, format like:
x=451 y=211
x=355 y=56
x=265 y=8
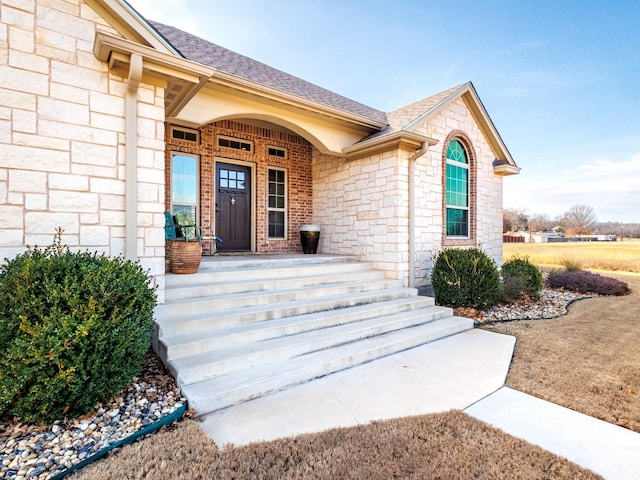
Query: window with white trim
x=184 y=184
x=277 y=210
x=185 y=134
x=457 y=190
x=277 y=152
x=235 y=143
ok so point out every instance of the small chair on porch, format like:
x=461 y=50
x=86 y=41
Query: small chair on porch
x=181 y=226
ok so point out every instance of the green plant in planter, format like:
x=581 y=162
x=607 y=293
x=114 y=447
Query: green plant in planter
x=74 y=328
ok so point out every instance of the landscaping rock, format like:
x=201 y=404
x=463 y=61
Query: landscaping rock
x=43 y=451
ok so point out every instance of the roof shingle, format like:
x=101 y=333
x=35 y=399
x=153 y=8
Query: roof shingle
x=212 y=55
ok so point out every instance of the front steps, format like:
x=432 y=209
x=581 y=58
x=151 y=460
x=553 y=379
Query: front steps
x=243 y=327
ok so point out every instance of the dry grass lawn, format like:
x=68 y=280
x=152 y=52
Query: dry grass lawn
x=443 y=446
x=617 y=256
x=587 y=360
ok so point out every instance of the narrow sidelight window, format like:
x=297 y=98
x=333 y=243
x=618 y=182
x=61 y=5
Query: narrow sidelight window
x=184 y=185
x=277 y=203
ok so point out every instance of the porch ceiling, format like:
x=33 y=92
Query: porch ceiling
x=216 y=102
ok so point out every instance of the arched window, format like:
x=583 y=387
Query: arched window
x=457 y=190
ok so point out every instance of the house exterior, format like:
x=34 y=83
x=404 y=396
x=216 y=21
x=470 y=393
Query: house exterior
x=107 y=120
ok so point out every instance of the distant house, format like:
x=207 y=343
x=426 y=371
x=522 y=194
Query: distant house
x=538 y=237
x=107 y=120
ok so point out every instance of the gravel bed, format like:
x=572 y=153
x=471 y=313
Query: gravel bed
x=552 y=303
x=30 y=451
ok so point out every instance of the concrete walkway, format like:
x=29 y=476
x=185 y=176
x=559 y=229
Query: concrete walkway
x=611 y=451
x=465 y=372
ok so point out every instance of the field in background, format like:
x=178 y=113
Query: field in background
x=618 y=256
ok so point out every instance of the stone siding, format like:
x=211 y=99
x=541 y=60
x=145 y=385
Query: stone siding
x=362 y=205
x=62 y=137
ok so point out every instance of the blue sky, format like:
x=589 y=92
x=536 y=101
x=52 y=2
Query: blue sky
x=560 y=79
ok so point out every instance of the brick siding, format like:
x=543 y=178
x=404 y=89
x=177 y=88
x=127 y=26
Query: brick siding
x=297 y=165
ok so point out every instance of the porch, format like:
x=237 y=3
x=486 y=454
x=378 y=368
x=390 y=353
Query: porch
x=245 y=326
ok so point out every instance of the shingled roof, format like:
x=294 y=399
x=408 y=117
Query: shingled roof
x=212 y=55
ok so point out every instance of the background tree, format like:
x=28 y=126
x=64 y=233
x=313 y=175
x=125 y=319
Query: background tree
x=540 y=223
x=514 y=220
x=579 y=220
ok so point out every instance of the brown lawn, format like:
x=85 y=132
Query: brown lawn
x=442 y=446
x=587 y=360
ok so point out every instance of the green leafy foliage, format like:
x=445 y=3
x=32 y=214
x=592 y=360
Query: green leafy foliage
x=520 y=279
x=74 y=328
x=465 y=278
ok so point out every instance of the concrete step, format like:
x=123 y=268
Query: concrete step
x=226 y=390
x=212 y=303
x=283 y=279
x=253 y=271
x=239 y=262
x=243 y=327
x=218 y=337
x=196 y=368
x=181 y=323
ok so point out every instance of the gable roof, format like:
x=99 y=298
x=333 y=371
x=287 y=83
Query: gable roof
x=407 y=118
x=212 y=55
x=402 y=118
x=398 y=125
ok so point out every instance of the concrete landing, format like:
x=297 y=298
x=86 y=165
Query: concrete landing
x=453 y=372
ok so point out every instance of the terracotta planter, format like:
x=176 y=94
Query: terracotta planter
x=184 y=257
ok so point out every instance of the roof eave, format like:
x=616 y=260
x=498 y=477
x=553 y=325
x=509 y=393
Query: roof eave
x=468 y=93
x=128 y=22
x=396 y=140
x=248 y=86
x=482 y=117
x=504 y=170
x=106 y=45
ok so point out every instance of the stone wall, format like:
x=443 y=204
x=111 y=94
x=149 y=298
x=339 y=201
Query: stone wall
x=62 y=156
x=362 y=205
x=486 y=194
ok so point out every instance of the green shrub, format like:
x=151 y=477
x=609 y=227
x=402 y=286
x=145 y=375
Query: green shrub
x=465 y=278
x=74 y=328
x=520 y=279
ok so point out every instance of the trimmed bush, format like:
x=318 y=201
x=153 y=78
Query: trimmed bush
x=587 y=282
x=520 y=279
x=465 y=278
x=74 y=328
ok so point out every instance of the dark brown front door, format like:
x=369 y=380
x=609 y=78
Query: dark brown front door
x=233 y=207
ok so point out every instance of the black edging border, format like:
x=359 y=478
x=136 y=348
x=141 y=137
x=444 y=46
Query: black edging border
x=164 y=421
